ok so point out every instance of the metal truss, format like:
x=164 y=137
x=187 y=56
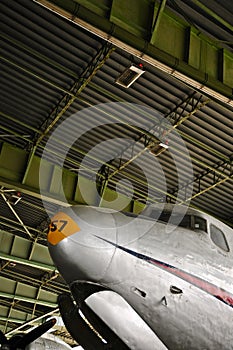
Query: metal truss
x=215 y=175
x=96 y=63
x=70 y=96
x=152 y=139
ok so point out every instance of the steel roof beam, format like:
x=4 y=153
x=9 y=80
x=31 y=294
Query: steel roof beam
x=54 y=287
x=27 y=262
x=37 y=76
x=46 y=282
x=175 y=119
x=39 y=55
x=11 y=224
x=217 y=174
x=176 y=48
x=11 y=176
x=83 y=80
x=213 y=14
x=19 y=122
x=7 y=304
x=90 y=71
x=158 y=11
x=27 y=299
x=168 y=116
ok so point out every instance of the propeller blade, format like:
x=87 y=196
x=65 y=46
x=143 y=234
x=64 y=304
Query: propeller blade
x=37 y=332
x=3 y=339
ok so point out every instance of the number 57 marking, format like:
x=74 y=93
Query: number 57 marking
x=58 y=225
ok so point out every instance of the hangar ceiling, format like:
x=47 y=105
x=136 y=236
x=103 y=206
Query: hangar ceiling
x=60 y=58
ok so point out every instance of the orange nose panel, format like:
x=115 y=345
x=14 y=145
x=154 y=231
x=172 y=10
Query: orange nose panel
x=61 y=226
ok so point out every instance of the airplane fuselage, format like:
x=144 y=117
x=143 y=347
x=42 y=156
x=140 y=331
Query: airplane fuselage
x=178 y=278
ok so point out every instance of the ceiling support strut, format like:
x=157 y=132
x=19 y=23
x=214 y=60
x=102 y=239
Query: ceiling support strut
x=96 y=63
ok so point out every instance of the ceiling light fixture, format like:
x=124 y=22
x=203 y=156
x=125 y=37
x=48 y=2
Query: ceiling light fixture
x=130 y=75
x=157 y=148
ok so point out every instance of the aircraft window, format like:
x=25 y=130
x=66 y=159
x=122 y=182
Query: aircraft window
x=200 y=224
x=176 y=219
x=166 y=216
x=218 y=238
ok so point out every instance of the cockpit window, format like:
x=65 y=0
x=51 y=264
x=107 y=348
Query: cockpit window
x=176 y=219
x=218 y=238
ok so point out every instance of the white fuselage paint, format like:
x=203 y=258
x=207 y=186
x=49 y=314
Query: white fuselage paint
x=48 y=342
x=177 y=279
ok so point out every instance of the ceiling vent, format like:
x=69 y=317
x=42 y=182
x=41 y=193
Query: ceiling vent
x=130 y=75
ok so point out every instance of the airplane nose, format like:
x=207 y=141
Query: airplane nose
x=74 y=243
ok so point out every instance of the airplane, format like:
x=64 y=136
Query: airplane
x=162 y=279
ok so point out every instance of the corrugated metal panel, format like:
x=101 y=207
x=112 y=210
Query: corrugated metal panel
x=41 y=57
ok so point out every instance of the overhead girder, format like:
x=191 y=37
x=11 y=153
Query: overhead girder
x=30 y=168
x=18 y=227
x=213 y=14
x=171 y=45
x=23 y=175
x=217 y=174
x=21 y=251
x=65 y=102
x=27 y=299
x=15 y=252
x=23 y=295
x=42 y=57
x=18 y=302
x=81 y=82
x=26 y=262
x=70 y=95
x=14 y=212
x=220 y=173
x=172 y=116
x=158 y=13
x=175 y=120
x=15 y=325
x=45 y=281
x=13 y=162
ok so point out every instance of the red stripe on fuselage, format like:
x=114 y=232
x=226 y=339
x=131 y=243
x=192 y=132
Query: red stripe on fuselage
x=206 y=286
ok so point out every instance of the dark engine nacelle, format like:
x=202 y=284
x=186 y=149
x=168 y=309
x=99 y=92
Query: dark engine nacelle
x=91 y=335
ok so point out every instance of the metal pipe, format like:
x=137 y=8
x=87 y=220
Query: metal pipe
x=207 y=189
